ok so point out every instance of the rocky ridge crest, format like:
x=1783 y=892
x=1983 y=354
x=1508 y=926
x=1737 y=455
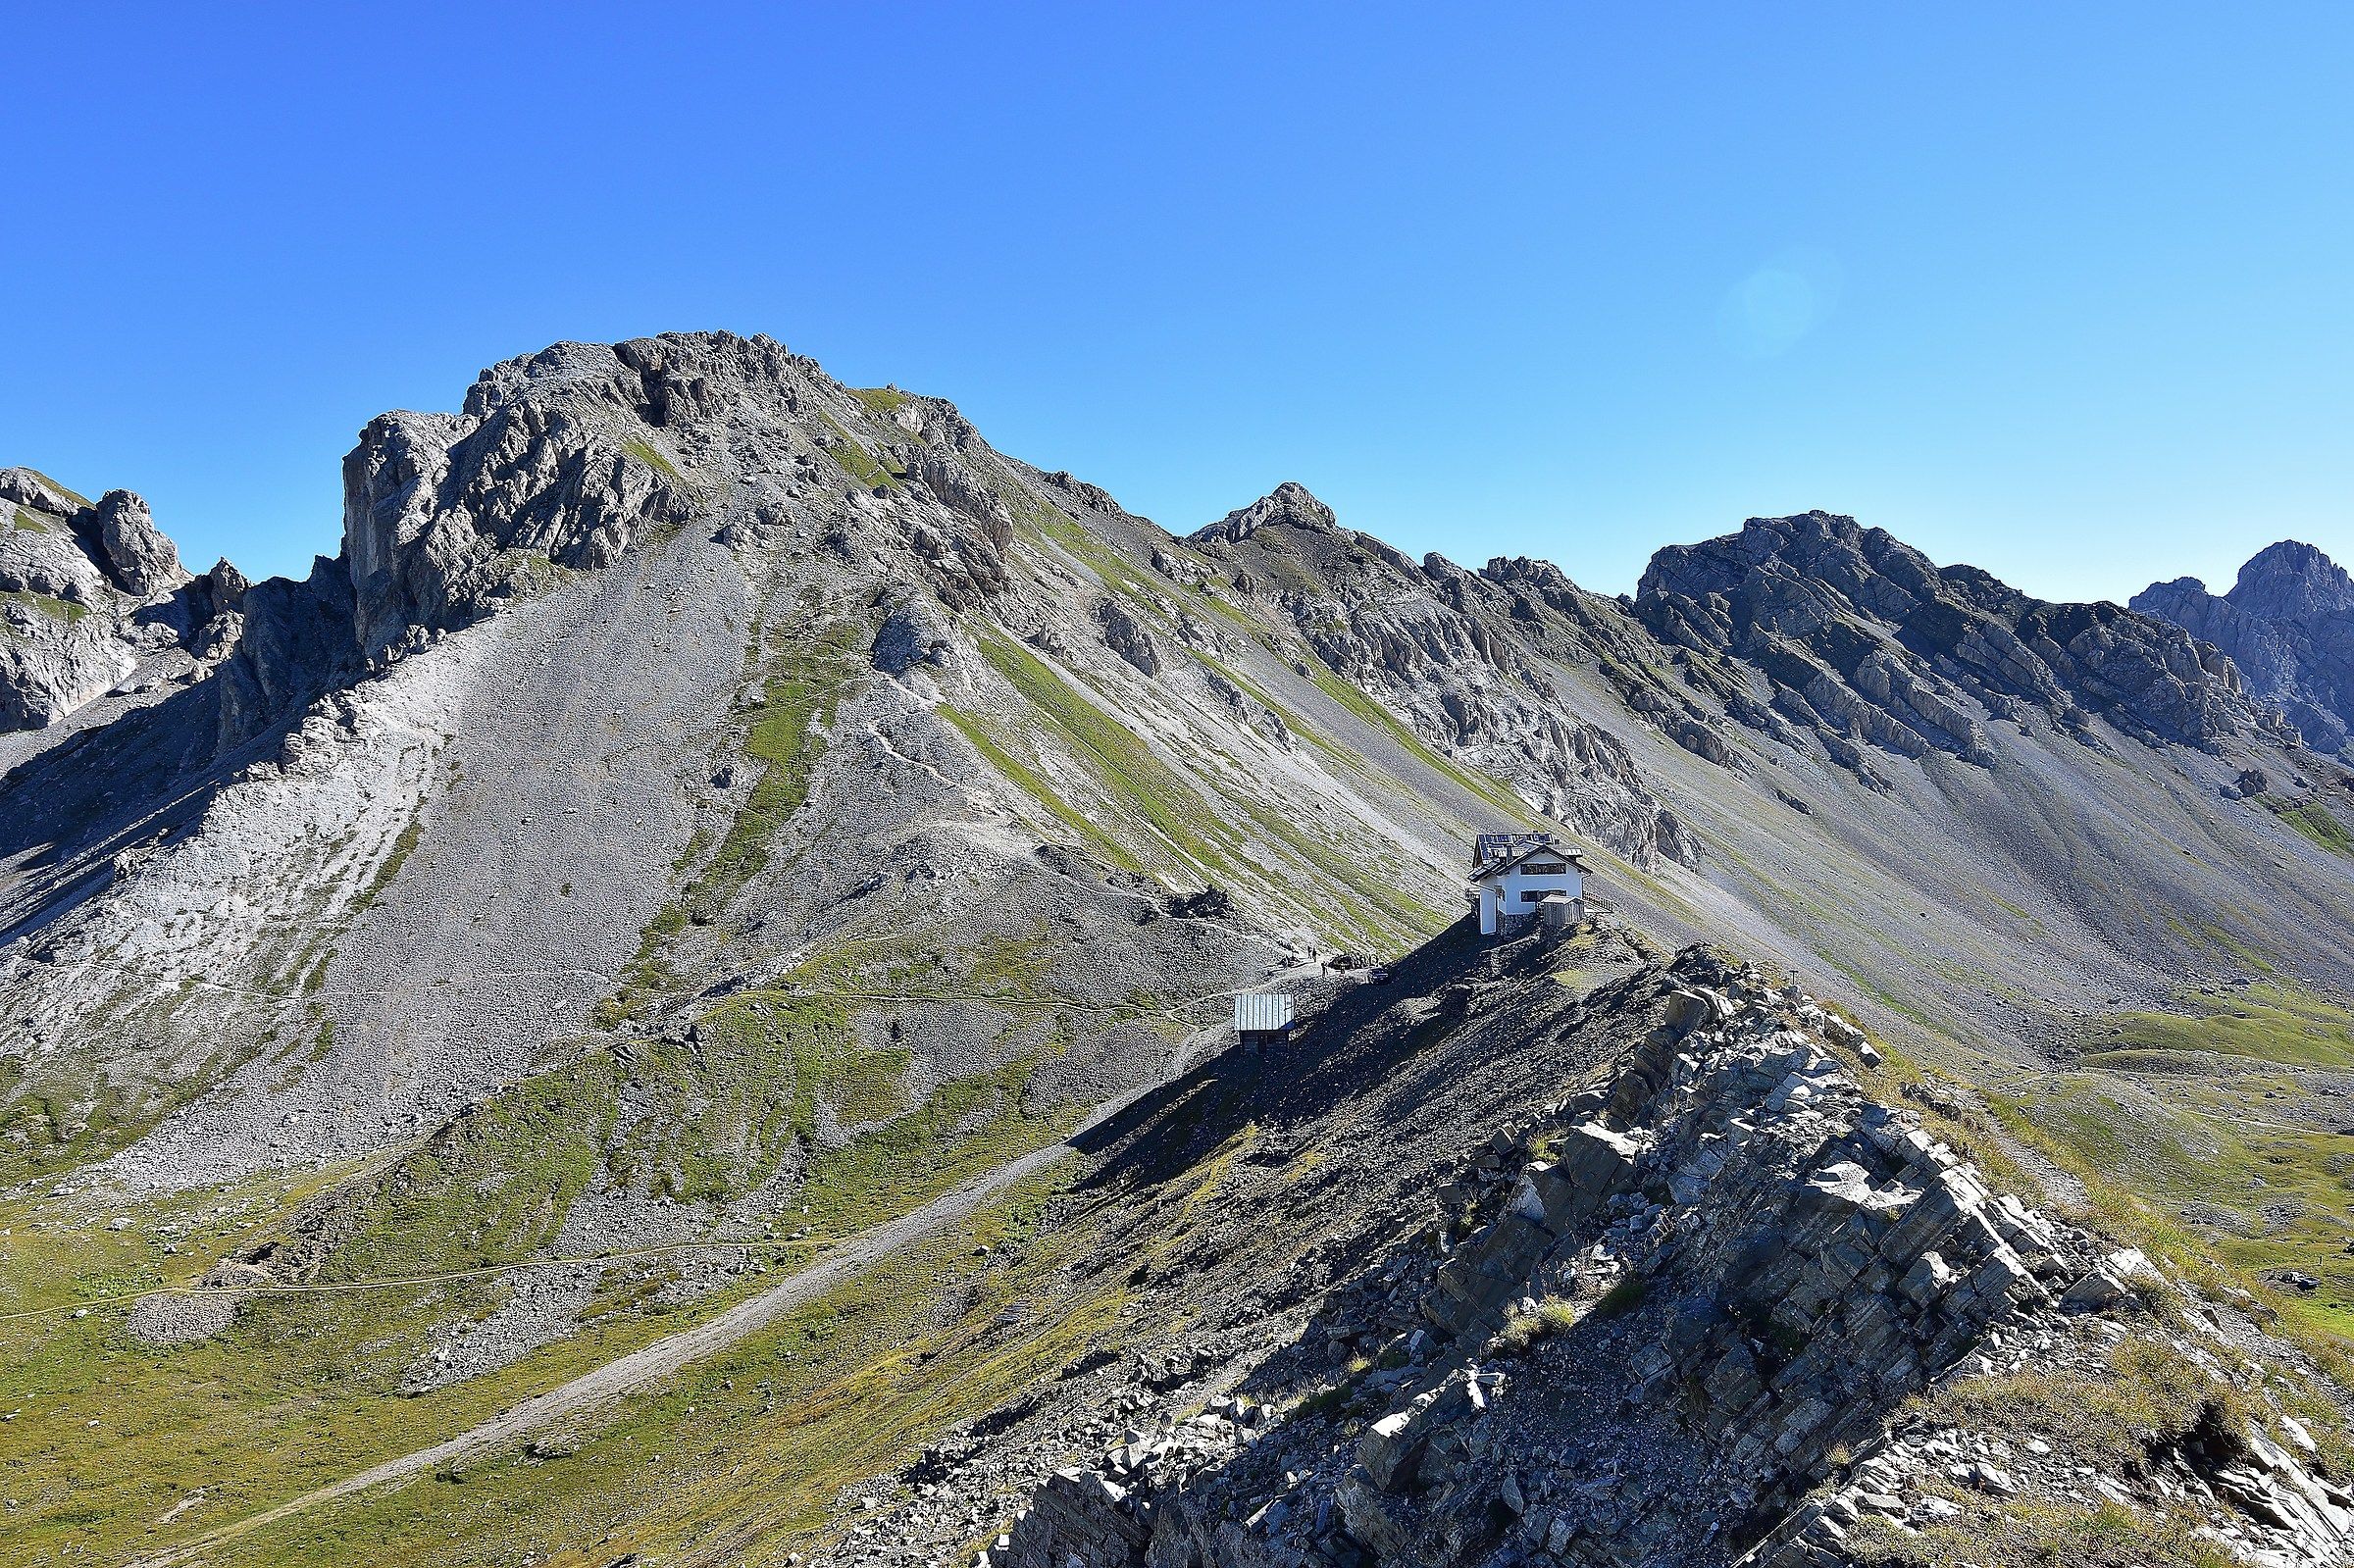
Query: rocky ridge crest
x=1780 y=1294
x=1860 y=638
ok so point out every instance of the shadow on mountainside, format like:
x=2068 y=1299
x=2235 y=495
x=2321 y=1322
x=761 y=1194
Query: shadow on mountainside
x=107 y=792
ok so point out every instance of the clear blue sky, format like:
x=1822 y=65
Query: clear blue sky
x=2065 y=291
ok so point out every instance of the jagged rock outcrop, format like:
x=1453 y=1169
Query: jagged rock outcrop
x=1129 y=638
x=84 y=597
x=2288 y=625
x=445 y=514
x=126 y=541
x=1859 y=638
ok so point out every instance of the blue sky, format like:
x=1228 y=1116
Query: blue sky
x=2061 y=290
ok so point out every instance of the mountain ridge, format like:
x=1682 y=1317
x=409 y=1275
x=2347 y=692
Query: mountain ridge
x=707 y=811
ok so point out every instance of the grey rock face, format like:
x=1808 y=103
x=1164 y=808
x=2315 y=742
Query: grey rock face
x=139 y=558
x=445 y=515
x=1129 y=638
x=2288 y=625
x=1439 y=646
x=85 y=588
x=1859 y=637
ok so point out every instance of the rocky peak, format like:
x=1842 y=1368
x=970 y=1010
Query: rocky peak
x=2291 y=581
x=1288 y=505
x=2289 y=627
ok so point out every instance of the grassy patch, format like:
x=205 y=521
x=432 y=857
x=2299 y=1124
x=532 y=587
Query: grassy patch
x=2223 y=1195
x=854 y=459
x=742 y=1096
x=2269 y=1022
x=2147 y=1398
x=44 y=604
x=2312 y=818
x=2034 y=1535
x=402 y=845
x=743 y=1455
x=1140 y=783
x=883 y=401
x=77 y=1113
x=1115 y=570
x=652 y=458
x=72 y=495
x=1551 y=1317
x=976 y=730
x=111 y=1434
x=799 y=699
x=963 y=1127
x=492 y=1186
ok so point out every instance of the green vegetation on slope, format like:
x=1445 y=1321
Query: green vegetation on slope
x=882 y=401
x=976 y=730
x=1139 y=784
x=1353 y=897
x=852 y=457
x=745 y=1457
x=802 y=693
x=1511 y=806
x=305 y=1388
x=748 y=1090
x=402 y=845
x=807 y=677
x=72 y=495
x=652 y=458
x=492 y=1186
x=2314 y=819
x=2268 y=1022
x=56 y=609
x=2033 y=1535
x=79 y=1113
x=2202 y=1177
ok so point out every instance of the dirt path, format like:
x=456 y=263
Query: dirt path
x=652 y=1362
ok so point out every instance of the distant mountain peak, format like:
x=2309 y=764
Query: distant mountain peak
x=1861 y=636
x=2288 y=623
x=1289 y=505
x=2291 y=580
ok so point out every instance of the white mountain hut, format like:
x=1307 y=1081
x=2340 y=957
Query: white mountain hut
x=1513 y=874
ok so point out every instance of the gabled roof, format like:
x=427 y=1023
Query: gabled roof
x=1496 y=868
